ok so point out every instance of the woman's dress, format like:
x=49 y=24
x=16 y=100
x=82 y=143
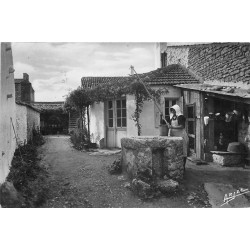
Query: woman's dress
x=180 y=132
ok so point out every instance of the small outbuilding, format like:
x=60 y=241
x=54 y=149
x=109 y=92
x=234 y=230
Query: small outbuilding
x=218 y=116
x=112 y=120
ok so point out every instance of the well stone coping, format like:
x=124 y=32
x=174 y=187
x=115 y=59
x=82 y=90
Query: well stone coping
x=158 y=156
x=135 y=142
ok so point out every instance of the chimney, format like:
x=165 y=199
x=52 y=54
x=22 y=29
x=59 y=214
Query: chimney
x=26 y=77
x=132 y=70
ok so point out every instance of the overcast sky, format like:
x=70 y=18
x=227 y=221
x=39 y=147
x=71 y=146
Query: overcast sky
x=54 y=68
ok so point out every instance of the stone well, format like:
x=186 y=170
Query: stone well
x=160 y=156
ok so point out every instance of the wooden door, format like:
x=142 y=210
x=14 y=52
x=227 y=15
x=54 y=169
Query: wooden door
x=191 y=128
x=116 y=122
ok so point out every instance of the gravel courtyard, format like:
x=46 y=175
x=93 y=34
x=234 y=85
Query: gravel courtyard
x=79 y=179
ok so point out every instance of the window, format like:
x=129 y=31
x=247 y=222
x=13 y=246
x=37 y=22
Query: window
x=169 y=103
x=121 y=119
x=110 y=114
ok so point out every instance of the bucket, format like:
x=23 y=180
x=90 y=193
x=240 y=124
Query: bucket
x=163 y=130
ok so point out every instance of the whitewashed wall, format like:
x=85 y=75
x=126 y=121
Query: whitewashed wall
x=150 y=116
x=7 y=110
x=97 y=127
x=21 y=124
x=33 y=122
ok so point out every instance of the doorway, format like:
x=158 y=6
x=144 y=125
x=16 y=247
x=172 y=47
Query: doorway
x=116 y=125
x=191 y=128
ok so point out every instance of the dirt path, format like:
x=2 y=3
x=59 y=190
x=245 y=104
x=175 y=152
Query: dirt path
x=78 y=179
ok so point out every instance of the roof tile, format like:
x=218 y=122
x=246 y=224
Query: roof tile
x=170 y=75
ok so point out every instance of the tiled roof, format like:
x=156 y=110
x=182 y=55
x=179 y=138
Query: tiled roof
x=218 y=89
x=170 y=75
x=28 y=105
x=90 y=82
x=48 y=106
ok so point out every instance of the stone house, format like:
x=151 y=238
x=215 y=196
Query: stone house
x=24 y=89
x=27 y=116
x=222 y=98
x=7 y=110
x=112 y=120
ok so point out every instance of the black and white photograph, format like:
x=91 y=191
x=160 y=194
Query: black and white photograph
x=101 y=127
x=95 y=131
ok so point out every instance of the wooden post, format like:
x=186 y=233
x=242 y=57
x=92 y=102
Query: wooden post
x=88 y=123
x=210 y=142
x=202 y=126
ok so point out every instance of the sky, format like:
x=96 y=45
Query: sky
x=56 y=68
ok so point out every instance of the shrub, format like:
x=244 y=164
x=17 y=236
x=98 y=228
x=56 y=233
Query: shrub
x=28 y=177
x=37 y=138
x=79 y=137
x=116 y=167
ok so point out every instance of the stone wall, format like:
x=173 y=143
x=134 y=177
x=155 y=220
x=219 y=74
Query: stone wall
x=27 y=92
x=157 y=157
x=226 y=62
x=7 y=110
x=18 y=92
x=24 y=90
x=177 y=55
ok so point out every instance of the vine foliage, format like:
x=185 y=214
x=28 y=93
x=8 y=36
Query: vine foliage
x=113 y=90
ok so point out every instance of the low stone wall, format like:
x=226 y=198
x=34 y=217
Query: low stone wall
x=158 y=157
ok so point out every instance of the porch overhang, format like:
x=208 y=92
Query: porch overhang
x=238 y=95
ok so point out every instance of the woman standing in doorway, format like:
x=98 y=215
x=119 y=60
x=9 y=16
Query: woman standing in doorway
x=177 y=128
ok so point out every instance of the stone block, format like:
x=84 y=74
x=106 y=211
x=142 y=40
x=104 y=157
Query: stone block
x=152 y=156
x=168 y=186
x=176 y=174
x=227 y=159
x=176 y=165
x=141 y=188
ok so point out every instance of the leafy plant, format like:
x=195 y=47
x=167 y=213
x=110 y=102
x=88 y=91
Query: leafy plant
x=126 y=86
x=80 y=100
x=28 y=177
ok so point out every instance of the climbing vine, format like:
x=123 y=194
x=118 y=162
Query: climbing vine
x=118 y=88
